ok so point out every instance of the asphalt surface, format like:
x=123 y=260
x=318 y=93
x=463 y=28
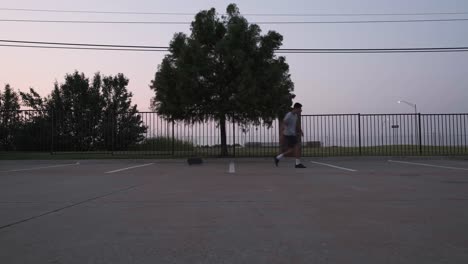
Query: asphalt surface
x=151 y=211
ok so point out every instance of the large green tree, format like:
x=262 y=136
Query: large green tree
x=77 y=111
x=122 y=125
x=224 y=71
x=89 y=115
x=9 y=117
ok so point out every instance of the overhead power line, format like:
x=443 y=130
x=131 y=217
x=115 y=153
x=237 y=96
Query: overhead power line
x=255 y=22
x=246 y=14
x=78 y=48
x=362 y=51
x=111 y=47
x=82 y=44
x=94 y=22
x=96 y=12
x=306 y=51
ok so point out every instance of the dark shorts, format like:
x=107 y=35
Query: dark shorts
x=291 y=141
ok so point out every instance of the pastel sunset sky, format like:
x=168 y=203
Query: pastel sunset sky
x=324 y=83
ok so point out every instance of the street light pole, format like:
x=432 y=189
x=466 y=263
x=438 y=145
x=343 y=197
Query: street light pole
x=416 y=130
x=410 y=104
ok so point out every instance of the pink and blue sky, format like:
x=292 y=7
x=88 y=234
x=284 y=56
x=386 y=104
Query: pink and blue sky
x=324 y=83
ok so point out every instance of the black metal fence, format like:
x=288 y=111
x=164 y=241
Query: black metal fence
x=145 y=133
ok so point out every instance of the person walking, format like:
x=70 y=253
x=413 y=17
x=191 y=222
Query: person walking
x=291 y=135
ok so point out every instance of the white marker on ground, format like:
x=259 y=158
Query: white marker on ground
x=129 y=168
x=45 y=167
x=427 y=165
x=333 y=166
x=232 y=167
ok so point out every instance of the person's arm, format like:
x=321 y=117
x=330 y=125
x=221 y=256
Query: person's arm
x=298 y=127
x=281 y=132
x=286 y=119
x=284 y=123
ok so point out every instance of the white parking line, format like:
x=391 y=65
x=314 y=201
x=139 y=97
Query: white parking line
x=333 y=166
x=427 y=165
x=232 y=167
x=46 y=167
x=129 y=168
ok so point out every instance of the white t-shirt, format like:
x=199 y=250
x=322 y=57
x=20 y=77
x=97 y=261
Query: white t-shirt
x=290 y=121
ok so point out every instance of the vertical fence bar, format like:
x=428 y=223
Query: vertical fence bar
x=52 y=132
x=420 y=137
x=447 y=143
x=335 y=135
x=448 y=136
x=420 y=134
x=407 y=138
x=438 y=133
x=340 y=145
x=321 y=134
x=453 y=135
x=233 y=138
x=173 y=139
x=429 y=131
x=364 y=134
x=451 y=128
x=457 y=134
x=359 y=133
x=373 y=135
x=464 y=134
x=369 y=134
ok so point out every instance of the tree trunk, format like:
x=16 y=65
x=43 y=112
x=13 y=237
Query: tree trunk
x=222 y=125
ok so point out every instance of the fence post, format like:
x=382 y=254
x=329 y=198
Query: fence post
x=420 y=134
x=173 y=139
x=113 y=132
x=359 y=129
x=52 y=133
x=233 y=138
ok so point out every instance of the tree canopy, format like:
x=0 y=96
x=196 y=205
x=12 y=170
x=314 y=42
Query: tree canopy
x=226 y=70
x=88 y=115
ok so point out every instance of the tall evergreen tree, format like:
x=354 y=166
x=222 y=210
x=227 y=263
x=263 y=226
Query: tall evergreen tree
x=79 y=111
x=9 y=117
x=122 y=125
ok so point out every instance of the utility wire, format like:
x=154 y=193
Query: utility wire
x=247 y=14
x=88 y=46
x=361 y=51
x=77 y=48
x=278 y=51
x=83 y=44
x=94 y=22
x=259 y=22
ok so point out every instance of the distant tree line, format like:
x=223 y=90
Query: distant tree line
x=79 y=115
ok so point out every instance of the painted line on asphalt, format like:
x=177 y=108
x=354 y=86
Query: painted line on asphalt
x=68 y=206
x=45 y=167
x=129 y=168
x=428 y=165
x=333 y=166
x=232 y=167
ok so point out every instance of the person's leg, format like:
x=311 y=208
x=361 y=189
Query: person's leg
x=287 y=152
x=290 y=143
x=297 y=152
